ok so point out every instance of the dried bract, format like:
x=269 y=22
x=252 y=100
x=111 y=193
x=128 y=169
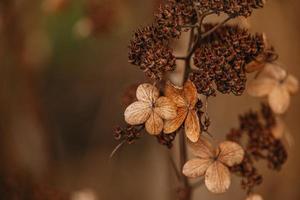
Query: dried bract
x=185 y=99
x=150 y=109
x=277 y=85
x=214 y=163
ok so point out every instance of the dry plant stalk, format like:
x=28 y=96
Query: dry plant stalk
x=220 y=57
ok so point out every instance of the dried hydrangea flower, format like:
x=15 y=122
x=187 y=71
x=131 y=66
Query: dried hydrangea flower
x=278 y=129
x=185 y=99
x=254 y=197
x=275 y=83
x=150 y=109
x=213 y=164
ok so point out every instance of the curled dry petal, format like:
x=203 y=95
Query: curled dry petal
x=202 y=148
x=230 y=153
x=217 y=178
x=137 y=112
x=279 y=99
x=291 y=84
x=192 y=126
x=190 y=93
x=165 y=108
x=172 y=125
x=147 y=92
x=196 y=167
x=154 y=125
x=273 y=71
x=175 y=94
x=254 y=197
x=261 y=87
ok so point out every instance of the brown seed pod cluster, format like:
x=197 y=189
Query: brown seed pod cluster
x=260 y=144
x=149 y=46
x=166 y=139
x=230 y=7
x=222 y=58
x=130 y=133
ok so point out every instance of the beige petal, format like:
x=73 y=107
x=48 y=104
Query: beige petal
x=147 y=92
x=278 y=129
x=175 y=94
x=154 y=125
x=254 y=197
x=165 y=108
x=261 y=86
x=192 y=126
x=190 y=93
x=291 y=84
x=279 y=99
x=254 y=66
x=172 y=125
x=230 y=153
x=137 y=112
x=202 y=148
x=196 y=167
x=273 y=71
x=217 y=178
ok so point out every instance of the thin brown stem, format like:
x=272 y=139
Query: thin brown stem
x=215 y=28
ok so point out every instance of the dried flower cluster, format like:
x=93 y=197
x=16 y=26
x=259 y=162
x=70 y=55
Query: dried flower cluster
x=221 y=60
x=260 y=144
x=223 y=55
x=230 y=7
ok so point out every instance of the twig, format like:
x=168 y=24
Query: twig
x=215 y=27
x=117 y=148
x=177 y=173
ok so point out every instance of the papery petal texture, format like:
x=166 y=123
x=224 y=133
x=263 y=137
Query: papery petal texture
x=230 y=153
x=196 y=167
x=172 y=125
x=175 y=94
x=190 y=93
x=137 y=112
x=165 y=108
x=202 y=148
x=291 y=84
x=147 y=92
x=217 y=178
x=154 y=125
x=192 y=126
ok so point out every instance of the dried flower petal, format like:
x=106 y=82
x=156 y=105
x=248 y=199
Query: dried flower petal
x=231 y=153
x=273 y=71
x=254 y=197
x=279 y=99
x=175 y=94
x=154 y=125
x=137 y=112
x=202 y=148
x=190 y=93
x=278 y=129
x=196 y=167
x=261 y=87
x=165 y=108
x=172 y=125
x=192 y=126
x=291 y=83
x=147 y=92
x=217 y=178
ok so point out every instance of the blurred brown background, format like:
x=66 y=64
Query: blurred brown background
x=63 y=72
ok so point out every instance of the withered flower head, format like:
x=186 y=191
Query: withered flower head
x=150 y=109
x=222 y=58
x=231 y=7
x=275 y=83
x=185 y=99
x=254 y=197
x=214 y=163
